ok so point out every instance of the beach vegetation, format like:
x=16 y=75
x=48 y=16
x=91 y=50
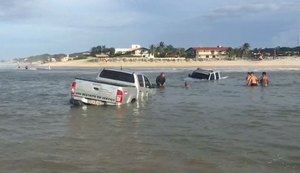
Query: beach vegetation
x=162 y=50
x=243 y=52
x=102 y=50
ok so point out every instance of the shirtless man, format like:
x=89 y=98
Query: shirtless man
x=264 y=80
x=252 y=80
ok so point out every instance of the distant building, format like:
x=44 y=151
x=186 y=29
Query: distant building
x=52 y=59
x=86 y=53
x=141 y=51
x=135 y=50
x=66 y=58
x=206 y=52
x=125 y=50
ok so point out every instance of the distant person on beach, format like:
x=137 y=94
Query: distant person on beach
x=264 y=80
x=160 y=80
x=252 y=81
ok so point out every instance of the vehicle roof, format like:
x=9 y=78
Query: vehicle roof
x=119 y=70
x=204 y=71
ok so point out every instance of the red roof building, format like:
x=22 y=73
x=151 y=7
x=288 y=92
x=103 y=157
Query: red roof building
x=206 y=52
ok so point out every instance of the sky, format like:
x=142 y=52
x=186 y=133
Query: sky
x=33 y=27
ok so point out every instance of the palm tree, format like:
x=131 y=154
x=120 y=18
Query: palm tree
x=169 y=49
x=161 y=45
x=152 y=49
x=230 y=52
x=181 y=52
x=161 y=49
x=245 y=49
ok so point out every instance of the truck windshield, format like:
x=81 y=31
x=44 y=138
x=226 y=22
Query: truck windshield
x=199 y=75
x=116 y=75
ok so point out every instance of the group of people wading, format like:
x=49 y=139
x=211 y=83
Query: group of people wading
x=252 y=80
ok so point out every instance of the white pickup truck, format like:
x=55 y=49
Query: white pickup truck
x=111 y=87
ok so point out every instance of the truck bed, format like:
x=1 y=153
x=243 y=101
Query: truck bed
x=98 y=93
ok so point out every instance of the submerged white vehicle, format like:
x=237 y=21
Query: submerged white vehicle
x=111 y=87
x=201 y=74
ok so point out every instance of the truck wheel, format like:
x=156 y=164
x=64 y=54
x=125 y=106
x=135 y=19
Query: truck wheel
x=76 y=102
x=133 y=100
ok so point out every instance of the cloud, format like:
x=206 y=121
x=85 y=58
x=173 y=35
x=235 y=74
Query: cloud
x=13 y=10
x=241 y=10
x=252 y=9
x=62 y=13
x=119 y=23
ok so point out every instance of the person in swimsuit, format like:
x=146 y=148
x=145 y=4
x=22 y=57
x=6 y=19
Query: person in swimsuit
x=264 y=80
x=252 y=80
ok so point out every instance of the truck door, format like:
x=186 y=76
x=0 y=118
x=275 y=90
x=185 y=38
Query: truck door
x=217 y=75
x=212 y=76
x=141 y=83
x=141 y=80
x=147 y=82
x=144 y=84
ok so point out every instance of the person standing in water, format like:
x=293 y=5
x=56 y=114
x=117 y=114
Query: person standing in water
x=264 y=80
x=160 y=80
x=252 y=80
x=186 y=85
x=248 y=77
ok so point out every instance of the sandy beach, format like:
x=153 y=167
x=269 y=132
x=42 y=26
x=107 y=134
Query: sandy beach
x=287 y=62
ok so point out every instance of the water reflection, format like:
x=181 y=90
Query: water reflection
x=90 y=118
x=124 y=135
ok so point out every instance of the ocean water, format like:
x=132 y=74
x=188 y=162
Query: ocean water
x=213 y=126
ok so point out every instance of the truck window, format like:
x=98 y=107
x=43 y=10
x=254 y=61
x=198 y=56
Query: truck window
x=141 y=81
x=116 y=75
x=199 y=75
x=217 y=76
x=147 y=82
x=212 y=76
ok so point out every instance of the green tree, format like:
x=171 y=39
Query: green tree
x=230 y=52
x=245 y=50
x=161 y=49
x=102 y=50
x=181 y=52
x=152 y=49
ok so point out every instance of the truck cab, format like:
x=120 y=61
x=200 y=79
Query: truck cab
x=205 y=75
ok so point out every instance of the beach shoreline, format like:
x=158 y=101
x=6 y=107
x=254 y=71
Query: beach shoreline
x=288 y=63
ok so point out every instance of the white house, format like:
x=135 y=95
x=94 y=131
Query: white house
x=124 y=50
x=207 y=52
